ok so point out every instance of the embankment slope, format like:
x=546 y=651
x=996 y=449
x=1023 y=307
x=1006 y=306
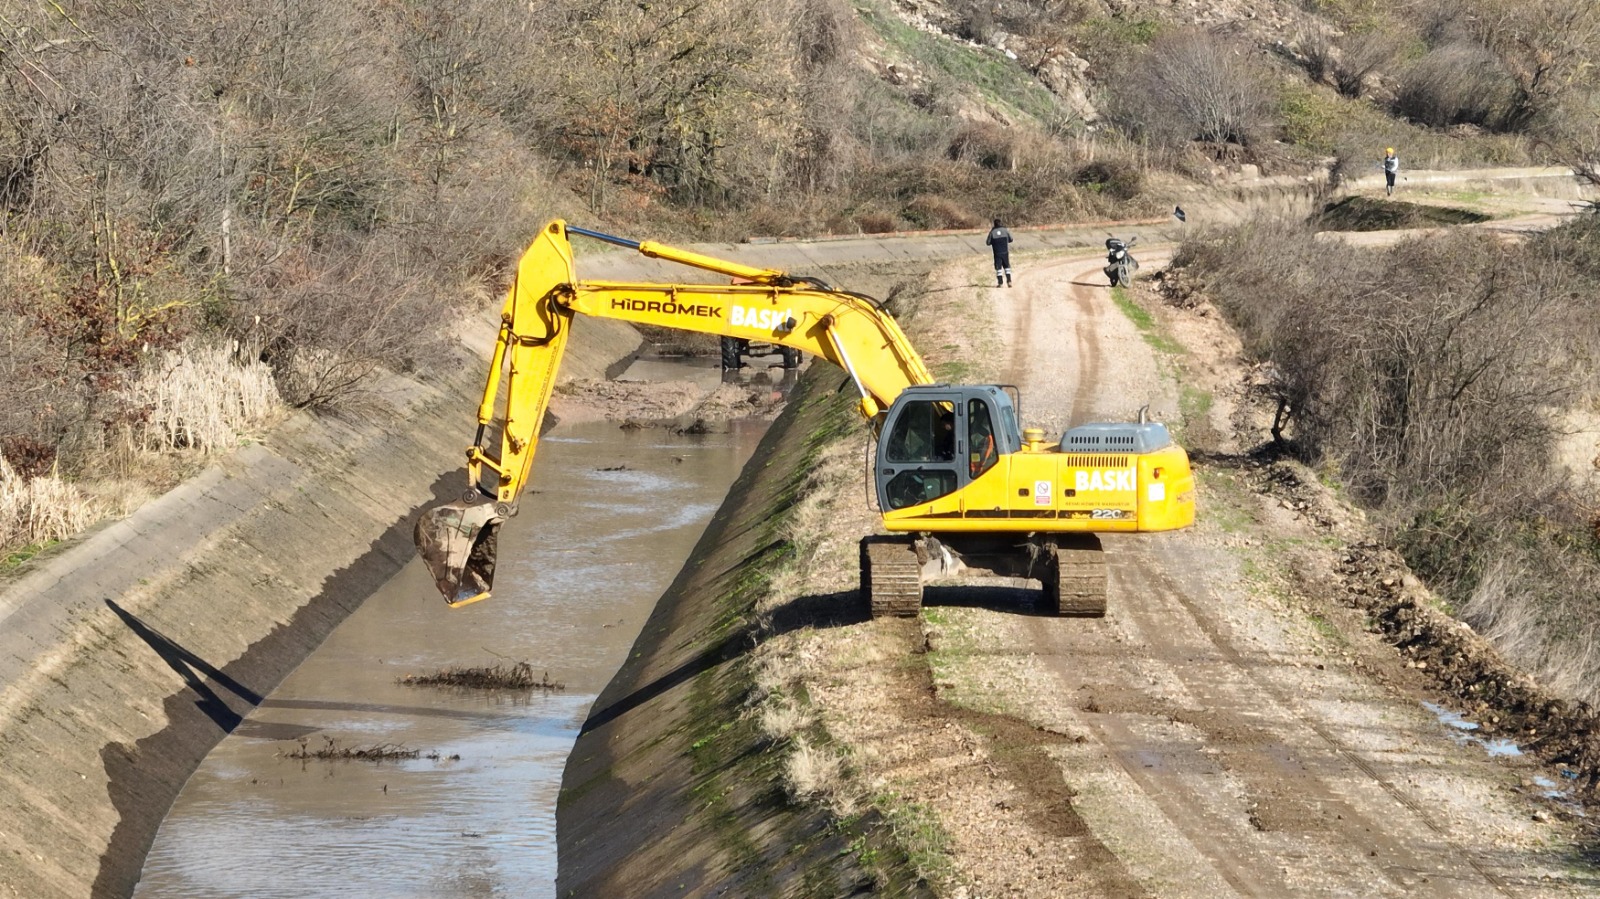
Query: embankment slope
x=127 y=654
x=671 y=789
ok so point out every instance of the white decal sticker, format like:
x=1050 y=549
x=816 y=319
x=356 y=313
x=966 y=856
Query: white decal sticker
x=1097 y=479
x=765 y=319
x=1041 y=493
x=1157 y=492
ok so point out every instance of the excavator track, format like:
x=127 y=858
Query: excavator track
x=891 y=578
x=1075 y=586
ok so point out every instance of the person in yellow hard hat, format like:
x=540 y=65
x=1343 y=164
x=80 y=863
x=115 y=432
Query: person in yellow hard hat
x=1391 y=168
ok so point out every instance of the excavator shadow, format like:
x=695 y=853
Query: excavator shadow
x=996 y=597
x=818 y=611
x=198 y=674
x=823 y=610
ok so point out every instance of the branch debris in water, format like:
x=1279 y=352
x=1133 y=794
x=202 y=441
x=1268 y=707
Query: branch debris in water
x=515 y=677
x=382 y=752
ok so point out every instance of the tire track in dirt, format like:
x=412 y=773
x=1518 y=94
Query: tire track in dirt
x=1154 y=576
x=1302 y=792
x=1271 y=798
x=1085 y=313
x=1020 y=753
x=1138 y=759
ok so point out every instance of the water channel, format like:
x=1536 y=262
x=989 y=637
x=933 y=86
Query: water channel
x=612 y=519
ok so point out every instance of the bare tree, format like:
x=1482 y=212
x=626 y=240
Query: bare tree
x=1547 y=47
x=1193 y=86
x=1362 y=55
x=1458 y=83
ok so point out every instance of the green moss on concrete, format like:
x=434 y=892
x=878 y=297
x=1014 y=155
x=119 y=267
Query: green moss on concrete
x=671 y=787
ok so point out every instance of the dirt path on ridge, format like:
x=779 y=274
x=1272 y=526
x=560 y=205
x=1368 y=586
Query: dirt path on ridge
x=1220 y=732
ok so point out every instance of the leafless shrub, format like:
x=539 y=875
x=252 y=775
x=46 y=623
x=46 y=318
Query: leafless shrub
x=1120 y=179
x=36 y=393
x=1351 y=159
x=1454 y=84
x=1423 y=370
x=1546 y=48
x=1362 y=55
x=1319 y=54
x=1193 y=86
x=874 y=222
x=331 y=321
x=937 y=212
x=1573 y=132
x=984 y=145
x=975 y=20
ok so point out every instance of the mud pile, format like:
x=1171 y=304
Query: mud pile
x=1454 y=658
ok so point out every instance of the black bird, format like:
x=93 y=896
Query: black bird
x=1177 y=212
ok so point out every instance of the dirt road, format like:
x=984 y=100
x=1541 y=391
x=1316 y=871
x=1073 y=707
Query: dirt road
x=1229 y=728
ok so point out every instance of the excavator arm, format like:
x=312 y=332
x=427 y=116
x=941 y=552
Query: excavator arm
x=457 y=541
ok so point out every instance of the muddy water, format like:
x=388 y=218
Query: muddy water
x=580 y=568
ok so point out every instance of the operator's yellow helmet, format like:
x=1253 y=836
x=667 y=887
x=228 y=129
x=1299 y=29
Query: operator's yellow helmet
x=1390 y=151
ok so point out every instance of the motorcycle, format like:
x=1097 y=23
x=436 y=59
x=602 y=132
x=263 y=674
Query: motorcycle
x=1120 y=264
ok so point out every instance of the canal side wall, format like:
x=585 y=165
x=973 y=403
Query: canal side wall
x=128 y=653
x=671 y=788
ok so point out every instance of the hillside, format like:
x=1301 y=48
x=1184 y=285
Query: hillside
x=211 y=215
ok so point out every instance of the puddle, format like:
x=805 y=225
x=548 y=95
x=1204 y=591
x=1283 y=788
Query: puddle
x=1450 y=718
x=1496 y=747
x=1503 y=748
x=1548 y=788
x=581 y=567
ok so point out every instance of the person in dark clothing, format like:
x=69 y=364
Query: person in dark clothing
x=999 y=240
x=1391 y=167
x=944 y=438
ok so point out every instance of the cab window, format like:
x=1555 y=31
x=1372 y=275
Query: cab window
x=916 y=486
x=981 y=450
x=924 y=432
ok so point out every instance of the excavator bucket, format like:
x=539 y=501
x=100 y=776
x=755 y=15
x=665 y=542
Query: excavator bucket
x=457 y=543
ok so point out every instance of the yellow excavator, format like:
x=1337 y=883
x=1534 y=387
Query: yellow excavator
x=961 y=486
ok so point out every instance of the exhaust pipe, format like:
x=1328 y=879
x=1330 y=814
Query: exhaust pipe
x=457 y=542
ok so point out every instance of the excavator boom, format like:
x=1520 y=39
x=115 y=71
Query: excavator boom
x=457 y=540
x=960 y=484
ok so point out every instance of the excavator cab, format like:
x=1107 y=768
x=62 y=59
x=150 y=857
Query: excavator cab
x=939 y=438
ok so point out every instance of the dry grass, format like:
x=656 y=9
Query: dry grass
x=41 y=509
x=191 y=402
x=818 y=527
x=784 y=719
x=814 y=772
x=823 y=527
x=201 y=397
x=1541 y=623
x=780 y=669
